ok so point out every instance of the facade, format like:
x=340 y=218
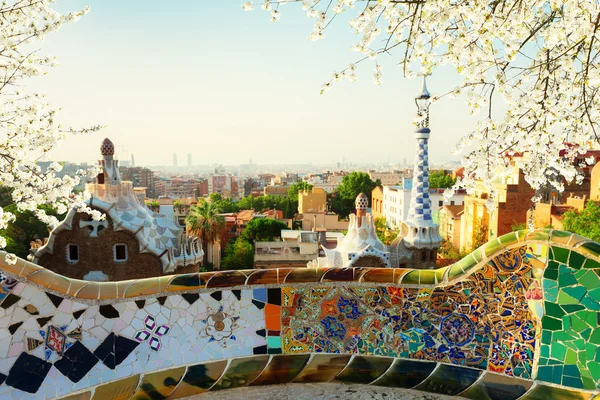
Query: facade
x=311 y=201
x=132 y=242
x=377 y=202
x=396 y=200
x=276 y=190
x=287 y=253
x=513 y=201
x=595 y=183
x=224 y=184
x=388 y=178
x=323 y=221
x=140 y=177
x=449 y=220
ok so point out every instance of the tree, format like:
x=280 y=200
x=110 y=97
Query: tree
x=539 y=57
x=238 y=255
x=384 y=234
x=28 y=124
x=293 y=190
x=263 y=230
x=584 y=223
x=440 y=180
x=342 y=201
x=205 y=222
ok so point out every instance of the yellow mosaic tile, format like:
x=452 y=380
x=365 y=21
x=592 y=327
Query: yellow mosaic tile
x=142 y=287
x=42 y=277
x=122 y=288
x=75 y=286
x=60 y=284
x=560 y=237
x=91 y=291
x=122 y=389
x=538 y=235
x=108 y=290
x=161 y=383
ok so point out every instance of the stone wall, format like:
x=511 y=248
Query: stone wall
x=519 y=316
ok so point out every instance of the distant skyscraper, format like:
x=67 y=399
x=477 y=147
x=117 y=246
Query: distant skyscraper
x=174 y=159
x=189 y=160
x=132 y=160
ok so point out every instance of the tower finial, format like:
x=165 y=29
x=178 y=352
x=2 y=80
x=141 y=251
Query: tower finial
x=424 y=92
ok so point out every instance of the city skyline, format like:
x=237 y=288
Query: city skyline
x=231 y=99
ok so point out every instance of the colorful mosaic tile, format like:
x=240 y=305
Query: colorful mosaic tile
x=481 y=330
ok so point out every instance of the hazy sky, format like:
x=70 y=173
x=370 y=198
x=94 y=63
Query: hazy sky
x=207 y=78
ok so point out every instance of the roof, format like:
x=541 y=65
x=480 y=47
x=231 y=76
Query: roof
x=454 y=211
x=246 y=215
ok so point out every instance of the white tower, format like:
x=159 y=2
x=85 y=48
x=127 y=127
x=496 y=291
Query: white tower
x=423 y=237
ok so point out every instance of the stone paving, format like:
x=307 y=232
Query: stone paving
x=319 y=391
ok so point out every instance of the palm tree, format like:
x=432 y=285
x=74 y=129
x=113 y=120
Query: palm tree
x=205 y=222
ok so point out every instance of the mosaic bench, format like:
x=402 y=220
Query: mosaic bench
x=517 y=318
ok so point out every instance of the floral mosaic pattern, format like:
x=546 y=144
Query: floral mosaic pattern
x=483 y=321
x=152 y=333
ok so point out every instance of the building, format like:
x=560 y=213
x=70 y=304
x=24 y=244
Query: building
x=377 y=202
x=449 y=220
x=224 y=184
x=132 y=242
x=389 y=178
x=312 y=201
x=595 y=182
x=276 y=190
x=396 y=200
x=285 y=253
x=140 y=177
x=511 y=204
x=323 y=221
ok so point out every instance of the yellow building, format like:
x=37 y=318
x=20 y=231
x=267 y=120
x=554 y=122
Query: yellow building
x=377 y=202
x=276 y=190
x=595 y=183
x=513 y=200
x=313 y=201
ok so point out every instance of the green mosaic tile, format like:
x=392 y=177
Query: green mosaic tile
x=570 y=357
x=545 y=351
x=594 y=293
x=439 y=274
x=591 y=248
x=589 y=279
x=566 y=279
x=551 y=273
x=576 y=260
x=539 y=235
x=478 y=254
x=560 y=237
x=427 y=277
x=558 y=351
x=594 y=368
x=508 y=239
x=546 y=337
x=590 y=303
x=553 y=310
x=492 y=247
x=412 y=278
x=571 y=308
x=576 y=292
x=552 y=324
x=564 y=298
x=454 y=271
x=560 y=254
x=592 y=264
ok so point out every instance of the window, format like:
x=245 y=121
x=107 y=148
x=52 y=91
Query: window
x=120 y=252
x=441 y=203
x=72 y=253
x=452 y=202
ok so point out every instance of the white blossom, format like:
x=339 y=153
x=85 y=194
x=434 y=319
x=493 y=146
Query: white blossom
x=539 y=59
x=28 y=125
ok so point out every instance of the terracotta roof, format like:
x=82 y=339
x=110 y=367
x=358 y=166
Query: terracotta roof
x=245 y=215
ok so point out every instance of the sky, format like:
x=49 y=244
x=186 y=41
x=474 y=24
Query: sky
x=226 y=85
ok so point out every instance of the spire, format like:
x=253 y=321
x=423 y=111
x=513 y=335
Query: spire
x=423 y=232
